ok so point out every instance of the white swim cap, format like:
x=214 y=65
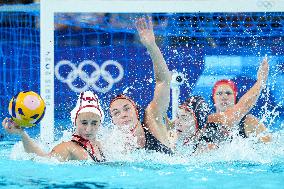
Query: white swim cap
x=87 y=102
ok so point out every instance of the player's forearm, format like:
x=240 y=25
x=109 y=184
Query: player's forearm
x=249 y=99
x=30 y=146
x=161 y=70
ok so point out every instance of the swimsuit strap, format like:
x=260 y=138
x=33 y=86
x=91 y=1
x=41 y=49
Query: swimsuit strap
x=86 y=144
x=241 y=125
x=132 y=130
x=185 y=141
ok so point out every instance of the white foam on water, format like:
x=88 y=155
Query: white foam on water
x=120 y=147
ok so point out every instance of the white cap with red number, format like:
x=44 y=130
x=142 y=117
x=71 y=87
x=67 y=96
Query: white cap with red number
x=87 y=102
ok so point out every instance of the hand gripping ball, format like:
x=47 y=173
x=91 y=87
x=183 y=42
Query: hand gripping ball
x=27 y=108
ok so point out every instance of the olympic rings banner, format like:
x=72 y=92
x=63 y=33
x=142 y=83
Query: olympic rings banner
x=113 y=70
x=90 y=81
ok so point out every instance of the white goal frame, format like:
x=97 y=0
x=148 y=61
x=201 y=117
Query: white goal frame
x=50 y=7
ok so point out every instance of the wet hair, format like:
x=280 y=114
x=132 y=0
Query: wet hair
x=199 y=107
x=226 y=82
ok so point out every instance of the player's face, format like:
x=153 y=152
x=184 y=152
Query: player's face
x=87 y=125
x=224 y=98
x=185 y=122
x=123 y=114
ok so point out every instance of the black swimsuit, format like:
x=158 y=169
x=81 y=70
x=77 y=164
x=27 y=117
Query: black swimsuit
x=216 y=133
x=154 y=144
x=242 y=132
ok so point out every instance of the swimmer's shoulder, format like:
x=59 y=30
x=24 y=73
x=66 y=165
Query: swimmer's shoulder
x=252 y=123
x=215 y=118
x=63 y=151
x=66 y=146
x=251 y=118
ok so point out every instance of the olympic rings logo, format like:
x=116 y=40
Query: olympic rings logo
x=90 y=81
x=268 y=4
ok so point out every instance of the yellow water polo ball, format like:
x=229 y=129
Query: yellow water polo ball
x=27 y=108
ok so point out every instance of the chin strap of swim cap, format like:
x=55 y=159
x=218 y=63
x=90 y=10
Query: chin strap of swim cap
x=132 y=130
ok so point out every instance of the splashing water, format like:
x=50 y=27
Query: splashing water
x=236 y=164
x=120 y=147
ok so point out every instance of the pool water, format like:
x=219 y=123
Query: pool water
x=240 y=164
